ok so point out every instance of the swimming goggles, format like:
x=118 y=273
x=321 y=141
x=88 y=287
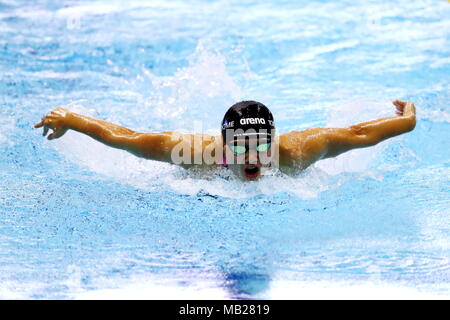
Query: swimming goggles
x=241 y=149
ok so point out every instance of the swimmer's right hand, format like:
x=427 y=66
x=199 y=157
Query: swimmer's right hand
x=55 y=120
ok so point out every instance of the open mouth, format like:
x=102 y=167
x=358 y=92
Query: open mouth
x=251 y=171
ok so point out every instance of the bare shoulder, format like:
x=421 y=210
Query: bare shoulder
x=299 y=149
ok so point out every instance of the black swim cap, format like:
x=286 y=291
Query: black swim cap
x=247 y=116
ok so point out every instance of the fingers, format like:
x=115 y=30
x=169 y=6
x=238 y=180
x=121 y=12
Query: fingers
x=45 y=130
x=52 y=115
x=400 y=106
x=53 y=121
x=39 y=124
x=399 y=103
x=45 y=122
x=57 y=133
x=404 y=107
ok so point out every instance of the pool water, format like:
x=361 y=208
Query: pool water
x=80 y=220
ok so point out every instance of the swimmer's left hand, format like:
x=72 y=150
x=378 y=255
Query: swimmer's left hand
x=55 y=120
x=404 y=108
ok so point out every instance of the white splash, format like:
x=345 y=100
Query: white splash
x=203 y=91
x=177 y=101
x=349 y=113
x=6 y=127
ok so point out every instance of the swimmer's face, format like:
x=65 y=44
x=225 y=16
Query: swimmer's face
x=246 y=156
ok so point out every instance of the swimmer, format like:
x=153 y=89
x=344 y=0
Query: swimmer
x=248 y=145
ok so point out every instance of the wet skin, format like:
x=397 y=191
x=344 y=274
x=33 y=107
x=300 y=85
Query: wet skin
x=296 y=149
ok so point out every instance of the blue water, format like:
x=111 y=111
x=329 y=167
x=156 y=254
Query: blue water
x=80 y=220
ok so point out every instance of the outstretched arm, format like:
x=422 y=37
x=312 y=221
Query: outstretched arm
x=154 y=146
x=311 y=145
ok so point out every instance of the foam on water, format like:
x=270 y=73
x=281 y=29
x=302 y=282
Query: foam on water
x=183 y=101
x=279 y=290
x=82 y=220
x=6 y=126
